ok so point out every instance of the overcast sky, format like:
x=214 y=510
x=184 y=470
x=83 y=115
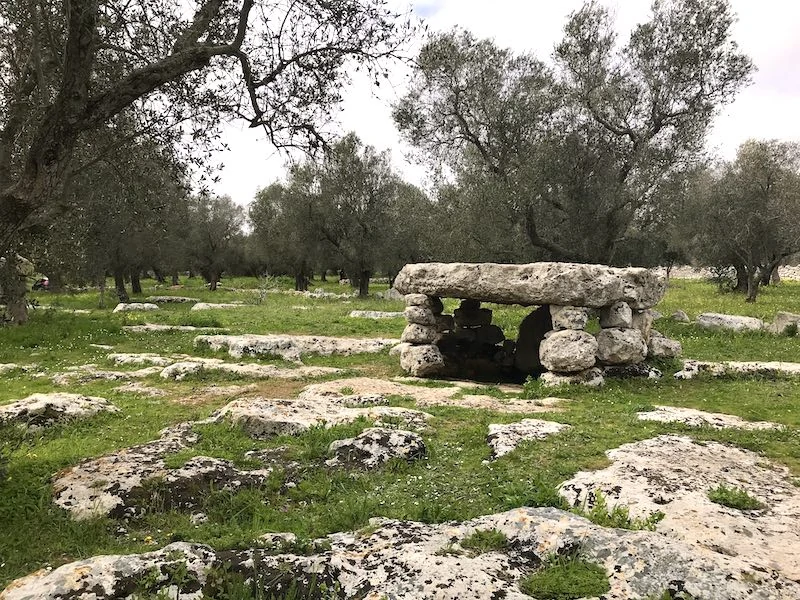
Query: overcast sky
x=766 y=31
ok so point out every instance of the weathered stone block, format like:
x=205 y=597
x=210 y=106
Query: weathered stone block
x=732 y=322
x=643 y=321
x=618 y=314
x=420 y=315
x=433 y=303
x=568 y=351
x=662 y=347
x=420 y=361
x=620 y=346
x=569 y=317
x=419 y=334
x=590 y=377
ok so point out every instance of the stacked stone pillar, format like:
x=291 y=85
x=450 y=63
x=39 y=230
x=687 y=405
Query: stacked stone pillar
x=419 y=354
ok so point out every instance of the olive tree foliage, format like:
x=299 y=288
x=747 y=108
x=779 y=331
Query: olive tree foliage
x=215 y=236
x=744 y=213
x=574 y=154
x=173 y=68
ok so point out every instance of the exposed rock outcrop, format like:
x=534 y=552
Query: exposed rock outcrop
x=730 y=322
x=291 y=347
x=43 y=410
x=376 y=446
x=699 y=418
x=505 y=437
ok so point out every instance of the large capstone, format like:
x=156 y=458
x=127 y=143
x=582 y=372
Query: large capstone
x=564 y=284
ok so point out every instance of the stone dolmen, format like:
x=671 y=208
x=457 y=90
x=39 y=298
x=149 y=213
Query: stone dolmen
x=552 y=338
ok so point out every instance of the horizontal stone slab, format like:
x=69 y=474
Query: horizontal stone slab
x=563 y=284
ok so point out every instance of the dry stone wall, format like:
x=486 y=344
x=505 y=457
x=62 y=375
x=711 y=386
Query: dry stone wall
x=552 y=338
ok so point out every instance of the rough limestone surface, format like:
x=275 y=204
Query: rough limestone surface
x=292 y=347
x=267 y=417
x=698 y=418
x=415 y=333
x=504 y=438
x=673 y=475
x=42 y=410
x=455 y=393
x=564 y=284
x=659 y=346
x=121 y=484
x=692 y=368
x=420 y=361
x=135 y=306
x=213 y=306
x=409 y=560
x=618 y=314
x=590 y=377
x=158 y=328
x=568 y=351
x=643 y=321
x=569 y=317
x=144 y=358
x=171 y=299
x=90 y=372
x=6 y=367
x=731 y=322
x=137 y=387
x=181 y=369
x=784 y=320
x=638 y=370
x=376 y=446
x=420 y=315
x=680 y=316
x=618 y=346
x=373 y=314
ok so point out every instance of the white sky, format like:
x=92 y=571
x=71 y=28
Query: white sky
x=766 y=31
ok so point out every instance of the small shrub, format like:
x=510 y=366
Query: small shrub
x=790 y=330
x=618 y=517
x=485 y=540
x=734 y=498
x=346 y=391
x=566 y=578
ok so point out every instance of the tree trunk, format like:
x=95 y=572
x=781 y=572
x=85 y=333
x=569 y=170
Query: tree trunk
x=741 y=279
x=753 y=281
x=363 y=284
x=102 y=285
x=300 y=281
x=213 y=280
x=14 y=285
x=119 y=284
x=159 y=275
x=136 y=284
x=175 y=278
x=323 y=276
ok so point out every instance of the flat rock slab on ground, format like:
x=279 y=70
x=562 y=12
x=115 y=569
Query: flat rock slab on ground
x=157 y=328
x=375 y=446
x=267 y=417
x=424 y=396
x=213 y=306
x=374 y=314
x=673 y=475
x=292 y=347
x=41 y=410
x=137 y=387
x=731 y=322
x=699 y=418
x=135 y=307
x=122 y=484
x=418 y=561
x=692 y=368
x=562 y=284
x=504 y=438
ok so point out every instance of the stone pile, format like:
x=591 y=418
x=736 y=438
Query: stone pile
x=552 y=338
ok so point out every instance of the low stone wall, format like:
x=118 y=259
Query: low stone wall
x=552 y=338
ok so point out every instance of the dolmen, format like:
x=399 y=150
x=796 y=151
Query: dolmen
x=552 y=339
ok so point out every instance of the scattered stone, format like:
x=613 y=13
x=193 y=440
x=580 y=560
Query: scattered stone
x=618 y=346
x=405 y=559
x=655 y=314
x=563 y=284
x=730 y=322
x=420 y=361
x=262 y=418
x=643 y=321
x=531 y=333
x=783 y=321
x=277 y=539
x=638 y=370
x=101 y=346
x=680 y=317
x=153 y=327
x=663 y=347
x=198 y=518
x=376 y=446
x=371 y=314
x=673 y=475
x=90 y=372
x=419 y=334
x=506 y=437
x=180 y=370
x=134 y=306
x=6 y=367
x=217 y=306
x=390 y=294
x=618 y=314
x=568 y=351
x=699 y=418
x=692 y=368
x=170 y=299
x=569 y=317
x=398 y=349
x=291 y=347
x=144 y=358
x=44 y=410
x=590 y=377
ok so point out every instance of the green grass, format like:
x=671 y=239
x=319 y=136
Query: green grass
x=485 y=540
x=734 y=497
x=566 y=578
x=304 y=497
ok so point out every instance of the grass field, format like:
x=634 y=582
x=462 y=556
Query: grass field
x=452 y=483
